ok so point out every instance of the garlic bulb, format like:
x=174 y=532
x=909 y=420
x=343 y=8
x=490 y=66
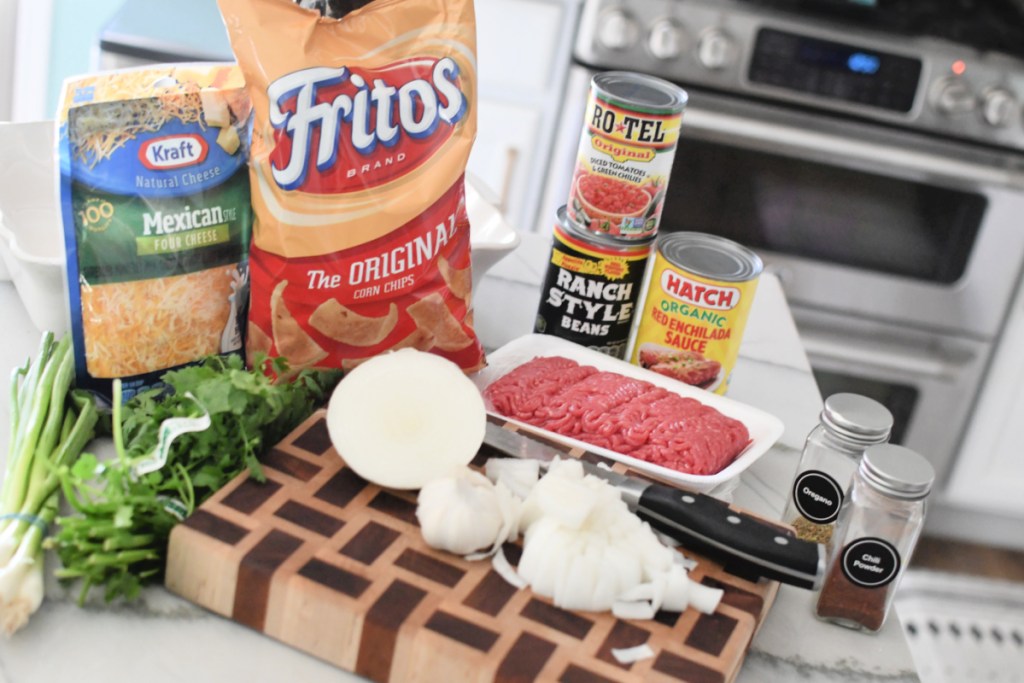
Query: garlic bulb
x=464 y=513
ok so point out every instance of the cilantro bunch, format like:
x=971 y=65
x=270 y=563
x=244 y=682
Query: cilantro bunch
x=123 y=515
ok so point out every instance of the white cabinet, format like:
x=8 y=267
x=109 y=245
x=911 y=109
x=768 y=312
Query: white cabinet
x=523 y=53
x=989 y=472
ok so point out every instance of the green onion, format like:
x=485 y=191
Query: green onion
x=50 y=425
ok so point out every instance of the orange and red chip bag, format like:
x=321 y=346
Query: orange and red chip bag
x=362 y=129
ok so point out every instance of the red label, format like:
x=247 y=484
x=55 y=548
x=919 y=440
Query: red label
x=395 y=272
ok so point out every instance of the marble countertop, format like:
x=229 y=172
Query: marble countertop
x=163 y=638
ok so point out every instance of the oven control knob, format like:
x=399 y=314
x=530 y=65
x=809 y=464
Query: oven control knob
x=715 y=49
x=953 y=96
x=617 y=30
x=998 y=107
x=666 y=40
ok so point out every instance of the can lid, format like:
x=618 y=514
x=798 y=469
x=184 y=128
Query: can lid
x=857 y=418
x=573 y=230
x=710 y=256
x=897 y=471
x=640 y=92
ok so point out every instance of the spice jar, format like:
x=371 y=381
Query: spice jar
x=875 y=535
x=849 y=424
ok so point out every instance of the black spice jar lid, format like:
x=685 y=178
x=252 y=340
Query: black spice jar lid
x=897 y=471
x=857 y=418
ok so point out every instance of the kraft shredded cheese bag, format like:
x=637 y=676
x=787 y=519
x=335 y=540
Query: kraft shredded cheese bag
x=362 y=129
x=157 y=219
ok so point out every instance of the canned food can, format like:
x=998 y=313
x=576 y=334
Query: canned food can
x=625 y=154
x=695 y=308
x=592 y=287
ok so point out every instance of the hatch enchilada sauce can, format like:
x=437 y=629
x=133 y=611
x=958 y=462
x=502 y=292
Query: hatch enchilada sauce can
x=592 y=287
x=625 y=154
x=698 y=297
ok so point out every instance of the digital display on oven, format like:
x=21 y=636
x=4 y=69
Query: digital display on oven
x=835 y=70
x=831 y=55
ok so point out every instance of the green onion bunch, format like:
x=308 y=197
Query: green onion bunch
x=50 y=426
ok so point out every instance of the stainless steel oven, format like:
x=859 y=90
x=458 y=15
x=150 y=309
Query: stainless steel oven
x=880 y=175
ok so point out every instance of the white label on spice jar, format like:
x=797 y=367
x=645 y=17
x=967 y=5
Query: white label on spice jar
x=870 y=562
x=817 y=496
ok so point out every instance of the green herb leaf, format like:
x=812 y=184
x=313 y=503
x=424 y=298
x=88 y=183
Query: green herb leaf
x=133 y=517
x=123 y=516
x=85 y=467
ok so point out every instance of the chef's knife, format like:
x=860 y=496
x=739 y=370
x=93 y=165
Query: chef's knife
x=744 y=545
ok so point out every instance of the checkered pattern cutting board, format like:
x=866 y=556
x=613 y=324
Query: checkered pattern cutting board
x=320 y=559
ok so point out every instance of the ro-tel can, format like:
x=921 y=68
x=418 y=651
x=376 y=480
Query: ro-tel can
x=592 y=287
x=698 y=297
x=625 y=154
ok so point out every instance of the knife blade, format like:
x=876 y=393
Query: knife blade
x=743 y=544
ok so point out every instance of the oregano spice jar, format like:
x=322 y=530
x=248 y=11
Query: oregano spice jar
x=878 y=526
x=849 y=424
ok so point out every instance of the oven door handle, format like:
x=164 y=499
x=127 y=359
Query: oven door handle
x=825 y=147
x=889 y=360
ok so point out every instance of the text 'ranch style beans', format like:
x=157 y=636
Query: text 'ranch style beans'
x=625 y=154
x=699 y=293
x=592 y=287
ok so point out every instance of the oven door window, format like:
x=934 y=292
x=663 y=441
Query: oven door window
x=822 y=212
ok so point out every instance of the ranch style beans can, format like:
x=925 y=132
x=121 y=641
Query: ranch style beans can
x=592 y=287
x=698 y=297
x=625 y=154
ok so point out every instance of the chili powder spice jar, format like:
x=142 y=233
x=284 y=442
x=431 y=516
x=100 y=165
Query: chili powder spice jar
x=849 y=424
x=878 y=527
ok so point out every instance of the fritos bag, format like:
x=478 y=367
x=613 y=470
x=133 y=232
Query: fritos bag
x=362 y=129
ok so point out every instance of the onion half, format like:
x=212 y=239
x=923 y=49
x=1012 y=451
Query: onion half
x=404 y=418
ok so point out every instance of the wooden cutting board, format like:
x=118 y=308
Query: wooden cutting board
x=322 y=560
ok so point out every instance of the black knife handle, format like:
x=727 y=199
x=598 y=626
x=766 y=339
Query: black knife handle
x=743 y=544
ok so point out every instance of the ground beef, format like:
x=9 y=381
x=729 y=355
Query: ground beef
x=622 y=414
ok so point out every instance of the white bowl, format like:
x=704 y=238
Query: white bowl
x=491 y=238
x=31 y=238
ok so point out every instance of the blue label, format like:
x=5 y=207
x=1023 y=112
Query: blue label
x=178 y=160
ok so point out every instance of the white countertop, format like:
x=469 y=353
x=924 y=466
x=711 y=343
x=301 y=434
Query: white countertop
x=163 y=638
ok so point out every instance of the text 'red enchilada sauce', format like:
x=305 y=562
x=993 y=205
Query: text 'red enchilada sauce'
x=362 y=129
x=625 y=154
x=699 y=293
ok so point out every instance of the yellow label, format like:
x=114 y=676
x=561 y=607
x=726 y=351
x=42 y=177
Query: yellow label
x=691 y=327
x=614 y=268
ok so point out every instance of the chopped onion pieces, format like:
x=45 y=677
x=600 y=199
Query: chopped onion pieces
x=631 y=655
x=518 y=474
